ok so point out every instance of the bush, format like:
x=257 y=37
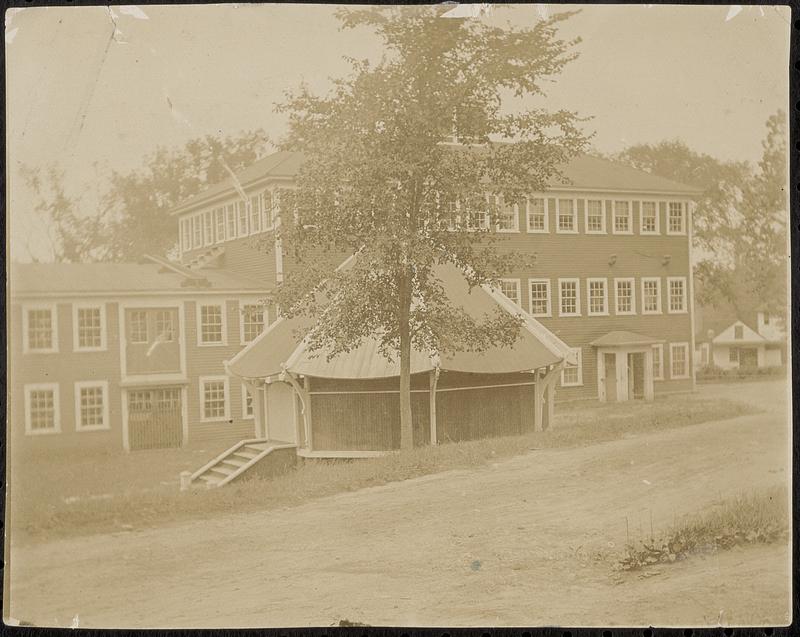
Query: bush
x=712 y=373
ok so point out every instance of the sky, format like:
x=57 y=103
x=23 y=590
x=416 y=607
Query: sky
x=95 y=89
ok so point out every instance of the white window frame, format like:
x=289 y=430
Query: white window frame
x=589 y=281
x=56 y=429
x=242 y=306
x=546 y=229
x=659 y=373
x=577 y=283
x=682 y=232
x=655 y=232
x=603 y=230
x=614 y=217
x=518 y=284
x=251 y=215
x=53 y=349
x=197 y=232
x=632 y=281
x=242 y=230
x=76 y=347
x=221 y=304
x=500 y=204
x=245 y=415
x=574 y=215
x=670 y=280
x=186 y=234
x=267 y=220
x=208 y=227
x=90 y=384
x=549 y=312
x=231 y=221
x=219 y=216
x=685 y=348
x=202 y=381
x=579 y=354
x=644 y=296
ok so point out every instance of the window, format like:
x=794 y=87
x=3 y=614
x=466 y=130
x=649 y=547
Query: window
x=42 y=415
x=572 y=375
x=478 y=217
x=214 y=398
x=597 y=291
x=595 y=217
x=537 y=215
x=625 y=296
x=679 y=360
x=252 y=321
x=186 y=235
x=675 y=218
x=511 y=288
x=676 y=287
x=766 y=318
x=508 y=217
x=208 y=228
x=88 y=325
x=139 y=400
x=567 y=216
x=255 y=214
x=211 y=324
x=540 y=297
x=738 y=332
x=241 y=218
x=230 y=221
x=247 y=402
x=267 y=219
x=651 y=295
x=733 y=355
x=165 y=326
x=622 y=217
x=138 y=326
x=39 y=329
x=219 y=224
x=197 y=232
x=91 y=406
x=658 y=362
x=569 y=297
x=648 y=217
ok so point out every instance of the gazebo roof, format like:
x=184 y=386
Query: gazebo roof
x=623 y=338
x=282 y=346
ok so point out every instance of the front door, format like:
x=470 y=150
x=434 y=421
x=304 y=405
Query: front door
x=748 y=357
x=155 y=419
x=636 y=375
x=610 y=364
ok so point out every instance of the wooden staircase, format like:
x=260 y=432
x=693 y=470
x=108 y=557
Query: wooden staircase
x=233 y=463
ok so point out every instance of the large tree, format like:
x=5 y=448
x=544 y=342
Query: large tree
x=399 y=160
x=130 y=217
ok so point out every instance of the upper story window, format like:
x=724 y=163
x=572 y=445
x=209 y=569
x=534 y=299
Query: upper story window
x=625 y=296
x=738 y=332
x=89 y=327
x=648 y=217
x=595 y=217
x=651 y=295
x=42 y=413
x=676 y=218
x=211 y=324
x=219 y=224
x=253 y=321
x=208 y=228
x=567 y=216
x=597 y=292
x=186 y=234
x=39 y=329
x=241 y=219
x=197 y=232
x=537 y=215
x=508 y=217
x=230 y=221
x=165 y=326
x=255 y=214
x=622 y=217
x=540 y=297
x=572 y=375
x=477 y=217
x=511 y=288
x=138 y=328
x=569 y=297
x=267 y=216
x=676 y=287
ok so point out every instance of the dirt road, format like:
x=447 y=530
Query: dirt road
x=515 y=543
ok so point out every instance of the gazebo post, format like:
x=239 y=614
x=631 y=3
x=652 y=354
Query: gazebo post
x=309 y=433
x=538 y=395
x=434 y=380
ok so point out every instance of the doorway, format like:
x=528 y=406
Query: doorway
x=155 y=418
x=636 y=375
x=610 y=364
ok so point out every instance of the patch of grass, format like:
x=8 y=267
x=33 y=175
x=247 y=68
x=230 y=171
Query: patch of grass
x=54 y=514
x=757 y=518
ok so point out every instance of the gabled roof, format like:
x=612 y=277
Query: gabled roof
x=622 y=338
x=584 y=172
x=271 y=353
x=112 y=279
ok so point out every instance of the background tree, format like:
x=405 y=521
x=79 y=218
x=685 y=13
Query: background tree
x=131 y=216
x=383 y=178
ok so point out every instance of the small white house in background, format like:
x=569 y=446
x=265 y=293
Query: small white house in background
x=741 y=346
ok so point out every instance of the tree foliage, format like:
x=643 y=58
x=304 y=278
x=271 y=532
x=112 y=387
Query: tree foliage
x=399 y=159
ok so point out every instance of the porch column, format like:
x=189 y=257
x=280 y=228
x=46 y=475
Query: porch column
x=434 y=380
x=309 y=427
x=538 y=396
x=622 y=376
x=648 y=374
x=257 y=394
x=551 y=398
x=601 y=376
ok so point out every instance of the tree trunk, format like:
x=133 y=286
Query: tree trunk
x=406 y=423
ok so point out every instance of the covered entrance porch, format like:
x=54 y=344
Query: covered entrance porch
x=624 y=366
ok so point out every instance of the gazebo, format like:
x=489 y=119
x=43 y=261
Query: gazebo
x=349 y=406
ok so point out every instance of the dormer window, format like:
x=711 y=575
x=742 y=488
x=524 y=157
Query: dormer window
x=255 y=214
x=219 y=224
x=230 y=221
x=738 y=332
x=241 y=218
